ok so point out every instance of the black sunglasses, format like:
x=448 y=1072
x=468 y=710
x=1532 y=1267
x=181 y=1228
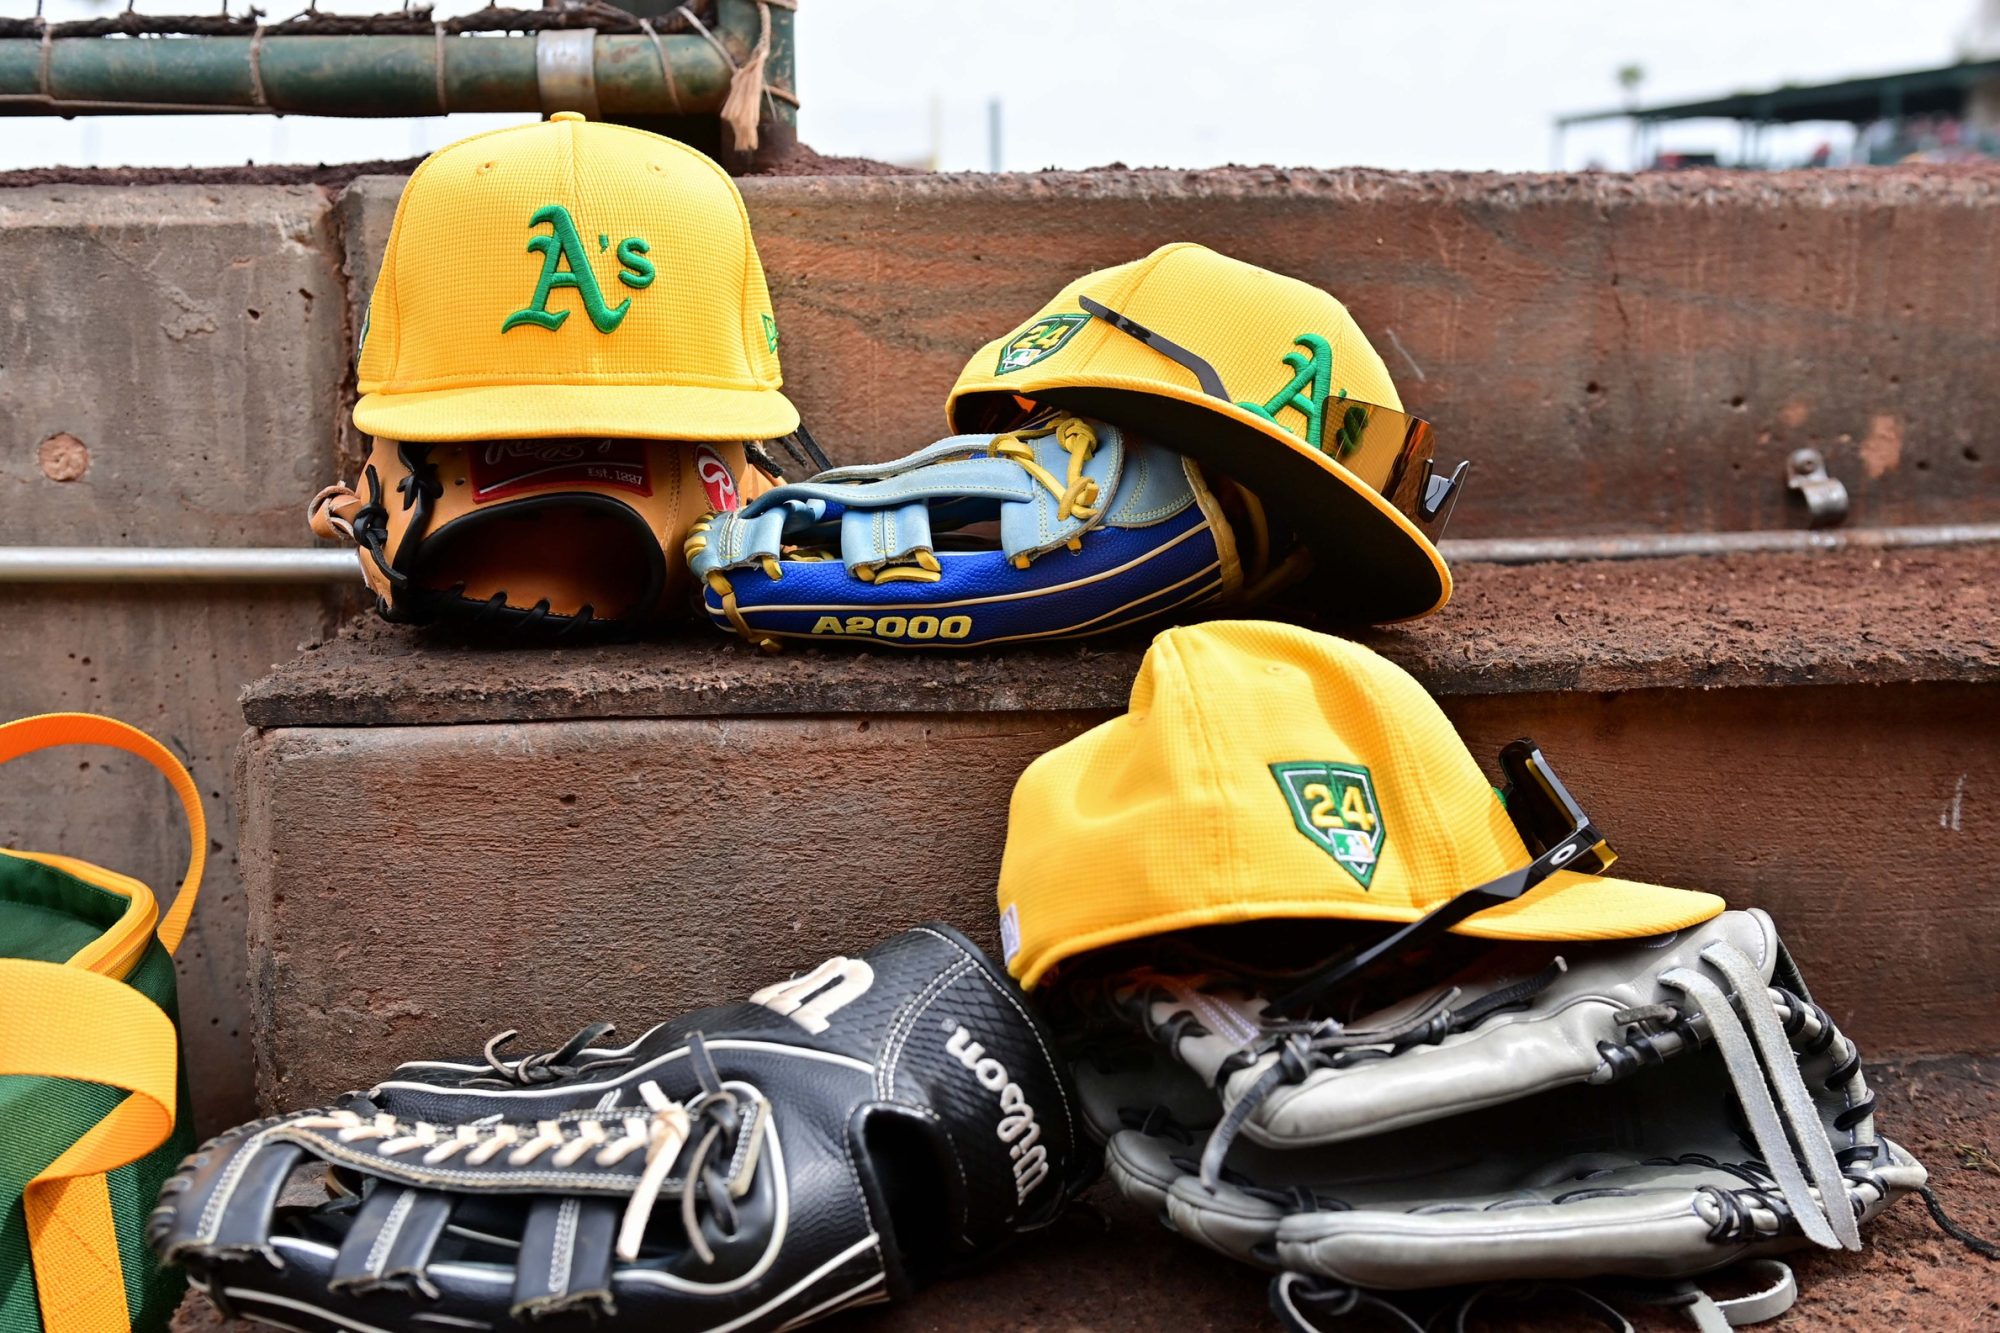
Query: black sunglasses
x=1550 y=822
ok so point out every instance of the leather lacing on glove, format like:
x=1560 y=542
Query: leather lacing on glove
x=717 y=1104
x=1759 y=1030
x=546 y=1066
x=1299 y=1300
x=1076 y=495
x=1329 y=1044
x=368 y=528
x=662 y=1131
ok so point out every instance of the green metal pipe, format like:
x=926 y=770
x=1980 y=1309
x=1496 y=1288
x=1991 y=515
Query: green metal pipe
x=349 y=76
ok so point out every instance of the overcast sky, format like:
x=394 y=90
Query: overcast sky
x=1457 y=84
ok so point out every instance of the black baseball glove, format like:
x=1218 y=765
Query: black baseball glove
x=834 y=1141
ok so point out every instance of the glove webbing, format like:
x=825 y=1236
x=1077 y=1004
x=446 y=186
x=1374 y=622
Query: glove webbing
x=1820 y=1219
x=1829 y=1219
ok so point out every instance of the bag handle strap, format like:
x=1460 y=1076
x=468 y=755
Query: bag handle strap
x=66 y=1023
x=48 y=730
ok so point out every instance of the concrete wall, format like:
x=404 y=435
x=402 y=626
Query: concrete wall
x=532 y=840
x=637 y=869
x=1618 y=354
x=170 y=363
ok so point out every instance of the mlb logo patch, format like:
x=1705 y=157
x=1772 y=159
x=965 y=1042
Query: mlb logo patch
x=1334 y=805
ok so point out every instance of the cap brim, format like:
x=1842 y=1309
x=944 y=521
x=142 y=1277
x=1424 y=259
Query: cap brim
x=1570 y=906
x=1565 y=906
x=548 y=411
x=1370 y=562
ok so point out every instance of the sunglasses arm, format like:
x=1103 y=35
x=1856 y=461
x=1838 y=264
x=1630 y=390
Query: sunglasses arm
x=1441 y=495
x=1506 y=889
x=1203 y=372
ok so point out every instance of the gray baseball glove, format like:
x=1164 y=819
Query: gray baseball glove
x=1647 y=1109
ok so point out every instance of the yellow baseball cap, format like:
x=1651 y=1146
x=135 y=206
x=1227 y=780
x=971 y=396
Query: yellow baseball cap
x=1267 y=380
x=1267 y=771
x=571 y=278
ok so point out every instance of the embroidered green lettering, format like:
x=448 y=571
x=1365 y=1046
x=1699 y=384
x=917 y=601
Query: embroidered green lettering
x=770 y=333
x=1308 y=390
x=565 y=263
x=637 y=270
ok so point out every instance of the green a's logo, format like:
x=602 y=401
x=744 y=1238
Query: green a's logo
x=1335 y=806
x=566 y=263
x=1042 y=338
x=1307 y=393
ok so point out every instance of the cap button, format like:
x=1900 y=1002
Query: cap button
x=567 y=115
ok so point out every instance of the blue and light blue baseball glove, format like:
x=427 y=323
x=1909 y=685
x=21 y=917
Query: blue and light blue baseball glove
x=1062 y=528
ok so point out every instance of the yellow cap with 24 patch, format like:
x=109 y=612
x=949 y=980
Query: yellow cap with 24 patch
x=571 y=278
x=1259 y=376
x=1265 y=771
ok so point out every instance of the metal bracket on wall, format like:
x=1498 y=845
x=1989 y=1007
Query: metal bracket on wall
x=1825 y=496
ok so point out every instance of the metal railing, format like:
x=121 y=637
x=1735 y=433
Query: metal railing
x=596 y=59
x=305 y=565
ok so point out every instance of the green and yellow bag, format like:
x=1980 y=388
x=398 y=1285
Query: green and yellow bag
x=91 y=1082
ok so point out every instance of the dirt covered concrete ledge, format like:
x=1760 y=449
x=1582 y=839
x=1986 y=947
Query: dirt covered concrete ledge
x=1122 y=1273
x=1851 y=617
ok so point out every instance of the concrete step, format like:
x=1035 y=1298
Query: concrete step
x=442 y=841
x=1125 y=1274
x=1620 y=354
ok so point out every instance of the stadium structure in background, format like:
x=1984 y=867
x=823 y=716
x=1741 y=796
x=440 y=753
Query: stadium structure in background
x=1926 y=115
x=1947 y=113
